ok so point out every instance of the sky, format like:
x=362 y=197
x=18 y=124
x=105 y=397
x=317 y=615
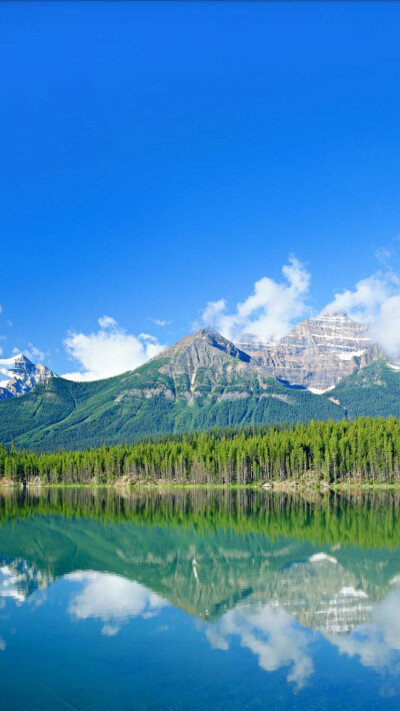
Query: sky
x=168 y=165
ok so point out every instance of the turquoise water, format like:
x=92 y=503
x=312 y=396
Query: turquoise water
x=212 y=600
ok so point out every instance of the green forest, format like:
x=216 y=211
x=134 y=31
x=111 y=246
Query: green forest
x=363 y=450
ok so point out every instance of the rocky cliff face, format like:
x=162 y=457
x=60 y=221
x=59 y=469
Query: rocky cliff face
x=19 y=375
x=207 y=364
x=318 y=352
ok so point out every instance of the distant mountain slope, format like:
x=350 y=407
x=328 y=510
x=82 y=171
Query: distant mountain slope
x=18 y=375
x=373 y=391
x=202 y=381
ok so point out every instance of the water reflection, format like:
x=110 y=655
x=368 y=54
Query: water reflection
x=19 y=578
x=111 y=599
x=271 y=634
x=275 y=583
x=376 y=644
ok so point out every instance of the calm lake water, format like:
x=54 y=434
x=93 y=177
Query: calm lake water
x=202 y=600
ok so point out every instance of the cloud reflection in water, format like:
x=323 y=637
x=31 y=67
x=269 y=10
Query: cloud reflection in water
x=273 y=635
x=111 y=599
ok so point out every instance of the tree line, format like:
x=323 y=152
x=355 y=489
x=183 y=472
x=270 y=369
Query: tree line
x=366 y=449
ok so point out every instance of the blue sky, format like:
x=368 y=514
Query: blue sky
x=160 y=156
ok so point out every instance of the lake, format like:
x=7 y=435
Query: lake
x=202 y=599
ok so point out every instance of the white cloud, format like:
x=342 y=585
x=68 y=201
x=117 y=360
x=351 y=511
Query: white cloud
x=1 y=309
x=386 y=328
x=383 y=256
x=364 y=301
x=160 y=321
x=375 y=300
x=147 y=337
x=107 y=322
x=2 y=338
x=269 y=312
x=275 y=307
x=214 y=315
x=36 y=355
x=108 y=351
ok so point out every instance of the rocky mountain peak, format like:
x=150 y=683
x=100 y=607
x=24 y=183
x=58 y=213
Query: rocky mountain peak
x=330 y=332
x=20 y=375
x=199 y=363
x=204 y=346
x=319 y=352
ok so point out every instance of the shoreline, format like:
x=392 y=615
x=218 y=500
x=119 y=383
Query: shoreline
x=270 y=487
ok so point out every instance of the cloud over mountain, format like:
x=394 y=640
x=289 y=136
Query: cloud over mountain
x=375 y=300
x=108 y=351
x=275 y=307
x=269 y=312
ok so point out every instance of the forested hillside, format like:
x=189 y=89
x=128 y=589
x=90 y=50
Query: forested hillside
x=364 y=450
x=372 y=391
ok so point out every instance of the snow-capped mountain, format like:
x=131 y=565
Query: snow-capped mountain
x=318 y=352
x=19 y=375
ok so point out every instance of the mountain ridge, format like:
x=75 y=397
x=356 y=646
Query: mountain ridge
x=316 y=354
x=200 y=382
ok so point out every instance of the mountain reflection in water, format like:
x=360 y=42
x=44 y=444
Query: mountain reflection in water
x=243 y=583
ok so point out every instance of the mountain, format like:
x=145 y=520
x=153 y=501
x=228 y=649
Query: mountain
x=21 y=375
x=373 y=391
x=318 y=352
x=205 y=381
x=200 y=382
